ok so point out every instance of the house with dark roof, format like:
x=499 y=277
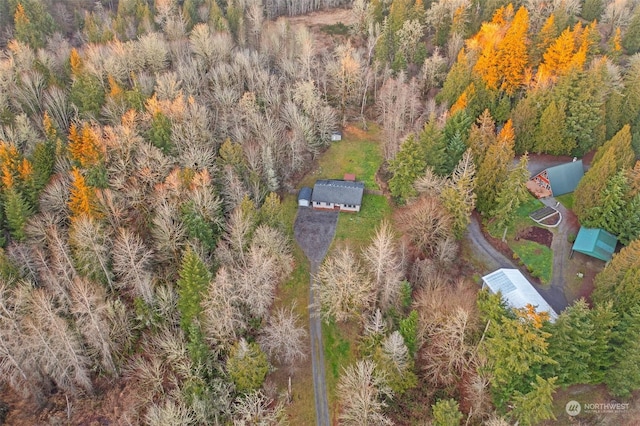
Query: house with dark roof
x=334 y=194
x=595 y=242
x=557 y=180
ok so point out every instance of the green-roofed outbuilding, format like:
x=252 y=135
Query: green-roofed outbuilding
x=595 y=242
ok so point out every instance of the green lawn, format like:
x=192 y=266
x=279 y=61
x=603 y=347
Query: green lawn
x=357 y=229
x=566 y=200
x=537 y=258
x=358 y=152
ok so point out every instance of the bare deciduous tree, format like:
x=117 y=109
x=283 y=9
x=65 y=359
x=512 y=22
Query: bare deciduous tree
x=427 y=224
x=223 y=319
x=342 y=287
x=54 y=344
x=383 y=260
x=91 y=249
x=257 y=409
x=90 y=310
x=282 y=338
x=132 y=262
x=361 y=393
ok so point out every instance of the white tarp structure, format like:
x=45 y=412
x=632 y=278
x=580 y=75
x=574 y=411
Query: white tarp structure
x=517 y=291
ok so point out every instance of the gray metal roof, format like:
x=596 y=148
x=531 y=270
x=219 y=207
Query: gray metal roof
x=517 y=291
x=565 y=177
x=338 y=192
x=304 y=194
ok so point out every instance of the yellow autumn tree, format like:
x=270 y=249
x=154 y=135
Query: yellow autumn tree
x=460 y=104
x=9 y=164
x=85 y=147
x=512 y=56
x=76 y=62
x=82 y=199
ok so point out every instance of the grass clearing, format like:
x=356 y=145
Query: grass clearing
x=537 y=258
x=358 y=229
x=358 y=152
x=340 y=350
x=566 y=200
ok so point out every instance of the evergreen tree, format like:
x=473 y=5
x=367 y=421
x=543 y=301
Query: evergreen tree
x=610 y=212
x=494 y=169
x=44 y=156
x=408 y=328
x=619 y=282
x=572 y=338
x=515 y=347
x=605 y=322
x=456 y=133
x=585 y=118
x=592 y=10
x=160 y=132
x=536 y=405
x=406 y=167
x=551 y=136
x=446 y=413
x=482 y=136
x=458 y=196
x=33 y=24
x=543 y=39
x=525 y=117
x=457 y=80
x=247 y=366
x=512 y=193
x=629 y=226
x=623 y=377
x=434 y=148
x=612 y=157
x=631 y=39
x=16 y=212
x=87 y=92
x=192 y=284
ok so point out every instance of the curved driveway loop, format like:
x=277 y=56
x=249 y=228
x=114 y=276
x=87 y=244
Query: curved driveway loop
x=314 y=231
x=553 y=294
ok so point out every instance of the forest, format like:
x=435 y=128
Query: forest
x=148 y=152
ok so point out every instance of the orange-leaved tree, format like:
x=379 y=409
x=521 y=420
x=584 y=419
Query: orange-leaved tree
x=84 y=146
x=82 y=200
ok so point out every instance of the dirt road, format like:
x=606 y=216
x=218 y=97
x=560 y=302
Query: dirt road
x=314 y=231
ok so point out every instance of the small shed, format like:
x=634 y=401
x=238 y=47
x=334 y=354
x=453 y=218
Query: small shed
x=560 y=179
x=336 y=136
x=595 y=242
x=304 y=197
x=337 y=194
x=517 y=291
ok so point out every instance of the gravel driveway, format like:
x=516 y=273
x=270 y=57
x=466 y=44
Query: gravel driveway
x=314 y=231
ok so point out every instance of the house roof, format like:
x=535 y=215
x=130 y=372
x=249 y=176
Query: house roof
x=595 y=242
x=517 y=291
x=565 y=177
x=304 y=194
x=338 y=192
